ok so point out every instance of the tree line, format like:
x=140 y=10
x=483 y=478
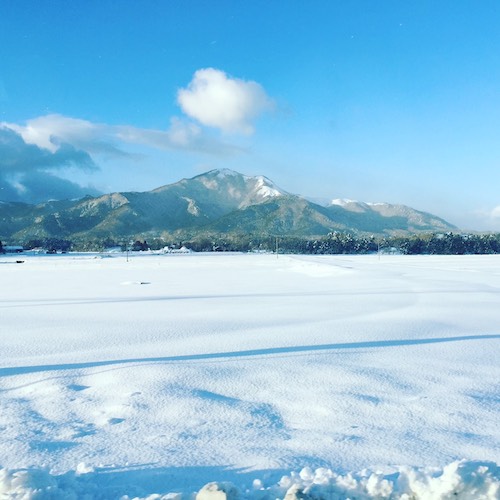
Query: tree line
x=332 y=243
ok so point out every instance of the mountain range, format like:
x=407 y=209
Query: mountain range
x=216 y=202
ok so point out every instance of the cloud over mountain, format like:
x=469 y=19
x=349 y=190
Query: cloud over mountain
x=50 y=131
x=217 y=100
x=33 y=155
x=38 y=156
x=27 y=169
x=17 y=155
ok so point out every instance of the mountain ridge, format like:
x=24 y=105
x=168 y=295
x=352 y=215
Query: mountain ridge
x=218 y=201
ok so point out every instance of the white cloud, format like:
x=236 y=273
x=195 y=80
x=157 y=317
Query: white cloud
x=19 y=155
x=49 y=132
x=27 y=169
x=230 y=104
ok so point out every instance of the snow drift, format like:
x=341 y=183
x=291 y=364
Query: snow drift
x=461 y=480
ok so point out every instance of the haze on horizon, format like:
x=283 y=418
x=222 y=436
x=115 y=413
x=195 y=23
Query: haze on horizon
x=386 y=101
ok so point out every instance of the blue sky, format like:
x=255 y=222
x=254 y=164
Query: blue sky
x=395 y=101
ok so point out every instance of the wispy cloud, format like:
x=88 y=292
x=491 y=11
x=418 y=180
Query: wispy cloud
x=50 y=131
x=230 y=104
x=182 y=135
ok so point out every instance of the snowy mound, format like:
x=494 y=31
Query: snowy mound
x=459 y=480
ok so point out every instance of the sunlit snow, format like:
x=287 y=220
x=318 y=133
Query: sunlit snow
x=342 y=202
x=295 y=374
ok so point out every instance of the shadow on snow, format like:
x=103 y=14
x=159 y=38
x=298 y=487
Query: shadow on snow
x=374 y=344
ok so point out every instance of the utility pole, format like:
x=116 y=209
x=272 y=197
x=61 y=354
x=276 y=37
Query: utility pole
x=128 y=247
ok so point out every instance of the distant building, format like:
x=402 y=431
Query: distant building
x=183 y=249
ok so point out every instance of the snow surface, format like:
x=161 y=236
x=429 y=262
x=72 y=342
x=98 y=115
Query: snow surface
x=167 y=372
x=266 y=188
x=342 y=202
x=223 y=173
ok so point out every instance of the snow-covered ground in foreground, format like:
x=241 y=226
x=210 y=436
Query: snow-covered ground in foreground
x=166 y=372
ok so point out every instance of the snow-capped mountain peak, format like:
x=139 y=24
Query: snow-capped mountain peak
x=238 y=188
x=267 y=188
x=342 y=202
x=223 y=173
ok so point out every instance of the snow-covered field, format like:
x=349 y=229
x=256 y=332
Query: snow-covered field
x=166 y=372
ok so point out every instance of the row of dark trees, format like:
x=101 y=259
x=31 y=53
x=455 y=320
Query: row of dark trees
x=50 y=244
x=333 y=243
x=431 y=244
x=346 y=243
